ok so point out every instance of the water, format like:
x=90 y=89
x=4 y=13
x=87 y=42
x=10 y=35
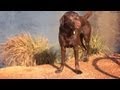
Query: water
x=44 y=23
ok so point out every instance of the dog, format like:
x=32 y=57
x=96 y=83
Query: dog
x=72 y=31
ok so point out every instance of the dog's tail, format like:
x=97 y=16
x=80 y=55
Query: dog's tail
x=88 y=14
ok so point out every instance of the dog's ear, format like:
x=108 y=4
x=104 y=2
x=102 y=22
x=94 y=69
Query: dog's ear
x=62 y=21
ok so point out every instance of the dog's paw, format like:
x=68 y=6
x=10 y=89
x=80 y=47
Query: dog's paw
x=85 y=59
x=58 y=71
x=78 y=71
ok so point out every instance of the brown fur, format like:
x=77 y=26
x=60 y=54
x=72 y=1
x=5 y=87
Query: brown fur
x=73 y=29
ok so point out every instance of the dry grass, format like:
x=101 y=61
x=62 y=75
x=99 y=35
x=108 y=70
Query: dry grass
x=21 y=49
x=97 y=45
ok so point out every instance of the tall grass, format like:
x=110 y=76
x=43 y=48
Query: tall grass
x=21 y=49
x=98 y=45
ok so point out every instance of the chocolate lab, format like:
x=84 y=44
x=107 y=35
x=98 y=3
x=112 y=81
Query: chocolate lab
x=72 y=31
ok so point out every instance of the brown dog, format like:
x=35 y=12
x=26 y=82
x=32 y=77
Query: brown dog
x=71 y=35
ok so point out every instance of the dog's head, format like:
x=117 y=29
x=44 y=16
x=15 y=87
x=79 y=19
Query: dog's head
x=71 y=20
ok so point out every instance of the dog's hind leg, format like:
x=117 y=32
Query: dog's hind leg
x=86 y=53
x=83 y=47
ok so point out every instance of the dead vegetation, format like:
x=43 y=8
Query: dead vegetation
x=20 y=49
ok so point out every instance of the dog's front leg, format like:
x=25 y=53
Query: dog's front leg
x=76 y=60
x=63 y=52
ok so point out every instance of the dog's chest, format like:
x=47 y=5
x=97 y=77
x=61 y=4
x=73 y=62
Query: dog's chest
x=72 y=40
